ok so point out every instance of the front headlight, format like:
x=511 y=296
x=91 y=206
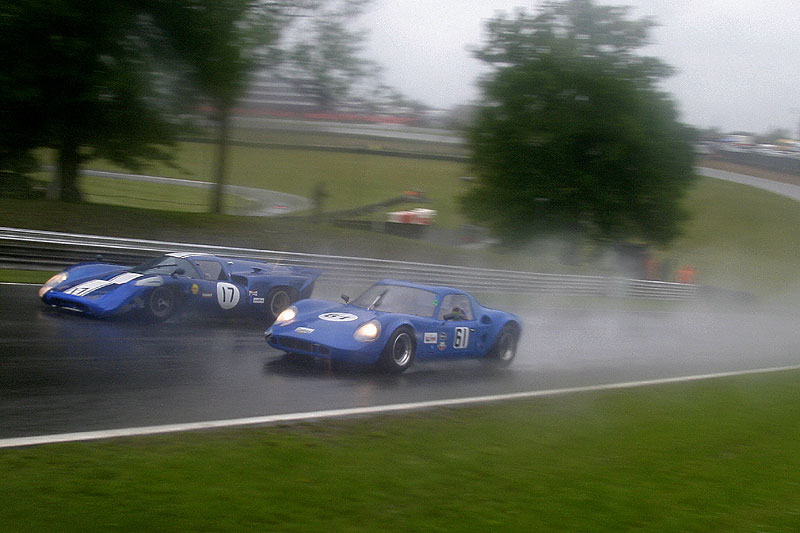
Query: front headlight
x=287 y=315
x=368 y=331
x=59 y=278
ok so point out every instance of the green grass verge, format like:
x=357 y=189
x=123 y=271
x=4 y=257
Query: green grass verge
x=718 y=455
x=350 y=180
x=741 y=237
x=9 y=275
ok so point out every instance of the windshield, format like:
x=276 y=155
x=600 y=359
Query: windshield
x=165 y=265
x=397 y=299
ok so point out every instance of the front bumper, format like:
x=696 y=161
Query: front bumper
x=356 y=352
x=99 y=308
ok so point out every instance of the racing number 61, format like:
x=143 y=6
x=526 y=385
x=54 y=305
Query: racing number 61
x=461 y=339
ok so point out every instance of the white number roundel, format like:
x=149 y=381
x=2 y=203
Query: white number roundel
x=338 y=317
x=227 y=295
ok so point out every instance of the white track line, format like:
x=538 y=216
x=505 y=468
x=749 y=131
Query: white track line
x=356 y=411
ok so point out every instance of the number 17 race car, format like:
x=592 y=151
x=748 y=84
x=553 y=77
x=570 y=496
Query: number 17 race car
x=167 y=285
x=395 y=322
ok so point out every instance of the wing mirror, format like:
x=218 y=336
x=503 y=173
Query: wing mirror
x=178 y=272
x=346 y=298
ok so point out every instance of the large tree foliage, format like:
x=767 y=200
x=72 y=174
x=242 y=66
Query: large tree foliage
x=573 y=135
x=73 y=78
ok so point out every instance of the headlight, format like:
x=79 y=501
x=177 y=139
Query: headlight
x=59 y=278
x=287 y=315
x=368 y=331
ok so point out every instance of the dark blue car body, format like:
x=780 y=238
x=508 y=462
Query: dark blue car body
x=423 y=313
x=178 y=282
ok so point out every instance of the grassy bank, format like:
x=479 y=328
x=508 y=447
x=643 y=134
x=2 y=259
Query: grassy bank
x=718 y=455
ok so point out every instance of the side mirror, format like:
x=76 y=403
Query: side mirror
x=346 y=298
x=178 y=272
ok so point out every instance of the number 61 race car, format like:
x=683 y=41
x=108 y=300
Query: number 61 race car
x=177 y=282
x=395 y=322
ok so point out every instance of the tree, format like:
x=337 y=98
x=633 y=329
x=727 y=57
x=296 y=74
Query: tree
x=573 y=135
x=221 y=42
x=74 y=79
x=322 y=53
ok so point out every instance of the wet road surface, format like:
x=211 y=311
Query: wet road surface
x=63 y=373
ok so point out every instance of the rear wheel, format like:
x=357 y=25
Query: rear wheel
x=278 y=299
x=161 y=304
x=505 y=349
x=398 y=354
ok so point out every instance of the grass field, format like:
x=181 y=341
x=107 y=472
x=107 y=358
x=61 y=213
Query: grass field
x=350 y=180
x=718 y=455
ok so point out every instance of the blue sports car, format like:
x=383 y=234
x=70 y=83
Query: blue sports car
x=393 y=323
x=176 y=282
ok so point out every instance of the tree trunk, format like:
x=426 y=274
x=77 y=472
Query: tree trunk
x=222 y=159
x=64 y=186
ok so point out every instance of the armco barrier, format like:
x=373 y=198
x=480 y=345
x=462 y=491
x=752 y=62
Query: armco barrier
x=49 y=250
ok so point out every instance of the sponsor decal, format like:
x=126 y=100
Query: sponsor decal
x=227 y=295
x=430 y=338
x=195 y=288
x=302 y=329
x=442 y=346
x=252 y=293
x=258 y=300
x=207 y=295
x=338 y=317
x=443 y=336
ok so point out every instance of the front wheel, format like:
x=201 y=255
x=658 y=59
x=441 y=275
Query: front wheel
x=161 y=304
x=398 y=354
x=505 y=349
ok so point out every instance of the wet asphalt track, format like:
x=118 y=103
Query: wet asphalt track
x=65 y=373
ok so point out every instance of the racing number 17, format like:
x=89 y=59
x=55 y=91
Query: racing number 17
x=225 y=296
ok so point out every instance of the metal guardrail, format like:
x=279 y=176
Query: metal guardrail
x=54 y=250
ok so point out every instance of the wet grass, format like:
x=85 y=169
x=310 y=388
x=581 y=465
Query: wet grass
x=718 y=455
x=350 y=180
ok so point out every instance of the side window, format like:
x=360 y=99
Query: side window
x=212 y=270
x=455 y=307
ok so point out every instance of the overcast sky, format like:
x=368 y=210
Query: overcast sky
x=738 y=61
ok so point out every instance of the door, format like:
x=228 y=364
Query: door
x=457 y=330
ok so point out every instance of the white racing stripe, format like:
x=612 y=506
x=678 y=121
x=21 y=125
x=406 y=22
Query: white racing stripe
x=356 y=411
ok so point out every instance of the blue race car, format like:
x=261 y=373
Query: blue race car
x=167 y=285
x=395 y=322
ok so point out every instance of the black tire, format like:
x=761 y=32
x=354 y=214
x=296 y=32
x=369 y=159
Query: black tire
x=161 y=304
x=505 y=349
x=278 y=299
x=398 y=354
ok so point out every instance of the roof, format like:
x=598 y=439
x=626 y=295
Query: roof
x=439 y=289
